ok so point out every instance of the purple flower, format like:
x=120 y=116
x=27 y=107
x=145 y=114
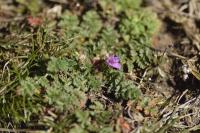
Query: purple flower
x=113 y=61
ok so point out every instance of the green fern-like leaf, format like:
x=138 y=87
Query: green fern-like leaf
x=91 y=24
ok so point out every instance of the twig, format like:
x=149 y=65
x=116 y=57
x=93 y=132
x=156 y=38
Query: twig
x=144 y=74
x=178 y=100
x=177 y=55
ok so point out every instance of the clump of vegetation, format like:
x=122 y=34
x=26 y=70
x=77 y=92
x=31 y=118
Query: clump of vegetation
x=55 y=74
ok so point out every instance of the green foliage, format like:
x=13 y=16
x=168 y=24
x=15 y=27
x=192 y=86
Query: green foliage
x=121 y=87
x=64 y=97
x=32 y=5
x=64 y=71
x=127 y=5
x=119 y=6
x=139 y=24
x=137 y=30
x=29 y=87
x=61 y=91
x=109 y=36
x=56 y=65
x=101 y=116
x=69 y=22
x=91 y=24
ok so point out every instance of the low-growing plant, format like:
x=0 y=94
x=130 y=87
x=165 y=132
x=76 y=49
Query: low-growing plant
x=63 y=79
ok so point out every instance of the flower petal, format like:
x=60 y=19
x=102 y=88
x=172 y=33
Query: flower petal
x=113 y=61
x=116 y=65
